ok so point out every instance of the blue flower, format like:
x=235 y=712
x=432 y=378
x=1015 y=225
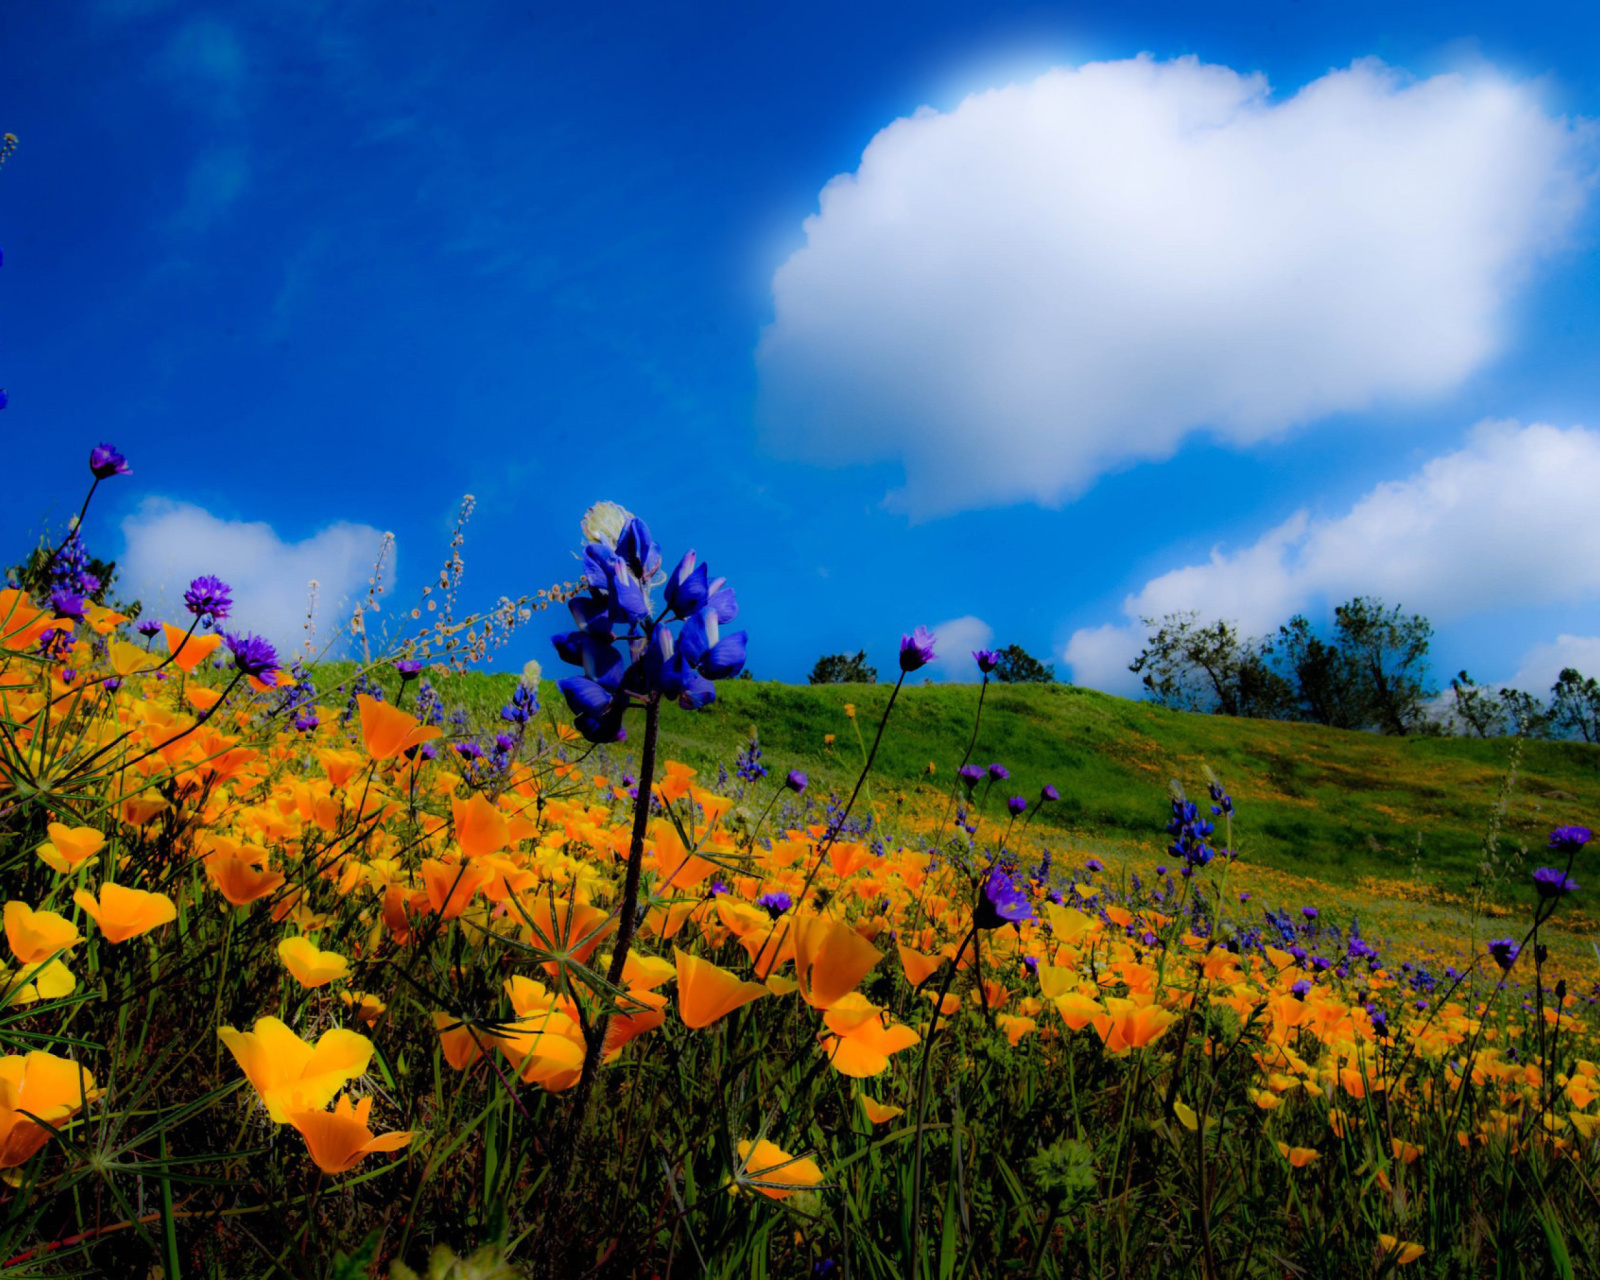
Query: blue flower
x=987 y=659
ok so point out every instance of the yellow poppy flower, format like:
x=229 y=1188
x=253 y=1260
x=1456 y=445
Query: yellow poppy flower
x=70 y=847
x=707 y=992
x=47 y=1087
x=773 y=1172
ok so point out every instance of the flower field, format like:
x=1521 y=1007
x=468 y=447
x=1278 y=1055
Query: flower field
x=317 y=980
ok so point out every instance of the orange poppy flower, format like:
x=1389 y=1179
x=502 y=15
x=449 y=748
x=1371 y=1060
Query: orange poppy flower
x=919 y=968
x=36 y=936
x=1126 y=1025
x=481 y=828
x=338 y=1140
x=387 y=731
x=311 y=966
x=21 y=624
x=47 y=1087
x=707 y=992
x=70 y=847
x=1402 y=1251
x=462 y=1045
x=829 y=959
x=1299 y=1157
x=240 y=881
x=862 y=1041
x=291 y=1075
x=124 y=913
x=877 y=1113
x=773 y=1172
x=189 y=651
x=452 y=885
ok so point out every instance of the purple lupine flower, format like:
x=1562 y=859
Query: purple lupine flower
x=1016 y=806
x=987 y=659
x=1505 y=952
x=999 y=772
x=796 y=781
x=1569 y=839
x=149 y=629
x=1048 y=793
x=67 y=604
x=208 y=597
x=253 y=656
x=1552 y=883
x=105 y=462
x=916 y=649
x=1001 y=902
x=775 y=904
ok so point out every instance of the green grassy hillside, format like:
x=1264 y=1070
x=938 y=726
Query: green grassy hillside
x=1323 y=803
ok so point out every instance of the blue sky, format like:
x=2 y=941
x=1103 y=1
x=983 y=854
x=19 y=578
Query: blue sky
x=1108 y=336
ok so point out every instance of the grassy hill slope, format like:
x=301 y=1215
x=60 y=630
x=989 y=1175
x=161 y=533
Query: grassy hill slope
x=1323 y=803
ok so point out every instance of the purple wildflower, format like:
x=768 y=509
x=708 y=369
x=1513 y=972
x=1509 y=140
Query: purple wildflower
x=999 y=772
x=254 y=656
x=1569 y=839
x=1001 y=902
x=1016 y=806
x=1505 y=952
x=1048 y=793
x=796 y=781
x=1552 y=883
x=916 y=649
x=105 y=462
x=149 y=629
x=775 y=904
x=987 y=659
x=208 y=597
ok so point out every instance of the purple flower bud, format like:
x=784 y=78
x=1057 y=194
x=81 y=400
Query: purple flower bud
x=1505 y=952
x=408 y=669
x=149 y=629
x=775 y=904
x=999 y=772
x=1569 y=839
x=916 y=649
x=1049 y=793
x=986 y=659
x=105 y=462
x=1001 y=902
x=1016 y=806
x=796 y=781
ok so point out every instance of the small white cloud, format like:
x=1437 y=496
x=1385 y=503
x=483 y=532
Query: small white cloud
x=1060 y=278
x=954 y=642
x=1497 y=524
x=169 y=543
x=1542 y=665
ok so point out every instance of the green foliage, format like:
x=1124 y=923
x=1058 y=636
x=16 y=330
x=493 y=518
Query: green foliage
x=1015 y=665
x=841 y=668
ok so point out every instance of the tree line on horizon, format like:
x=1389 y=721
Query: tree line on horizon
x=1371 y=672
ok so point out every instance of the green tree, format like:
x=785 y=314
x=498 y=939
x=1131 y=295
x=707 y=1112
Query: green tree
x=1319 y=677
x=1015 y=665
x=841 y=668
x=1387 y=652
x=1480 y=709
x=1575 y=705
x=1194 y=666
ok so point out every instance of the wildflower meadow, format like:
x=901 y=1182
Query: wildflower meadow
x=312 y=975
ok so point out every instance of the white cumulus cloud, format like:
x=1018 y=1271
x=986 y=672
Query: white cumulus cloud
x=169 y=543
x=1062 y=277
x=1496 y=524
x=1543 y=664
x=954 y=642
